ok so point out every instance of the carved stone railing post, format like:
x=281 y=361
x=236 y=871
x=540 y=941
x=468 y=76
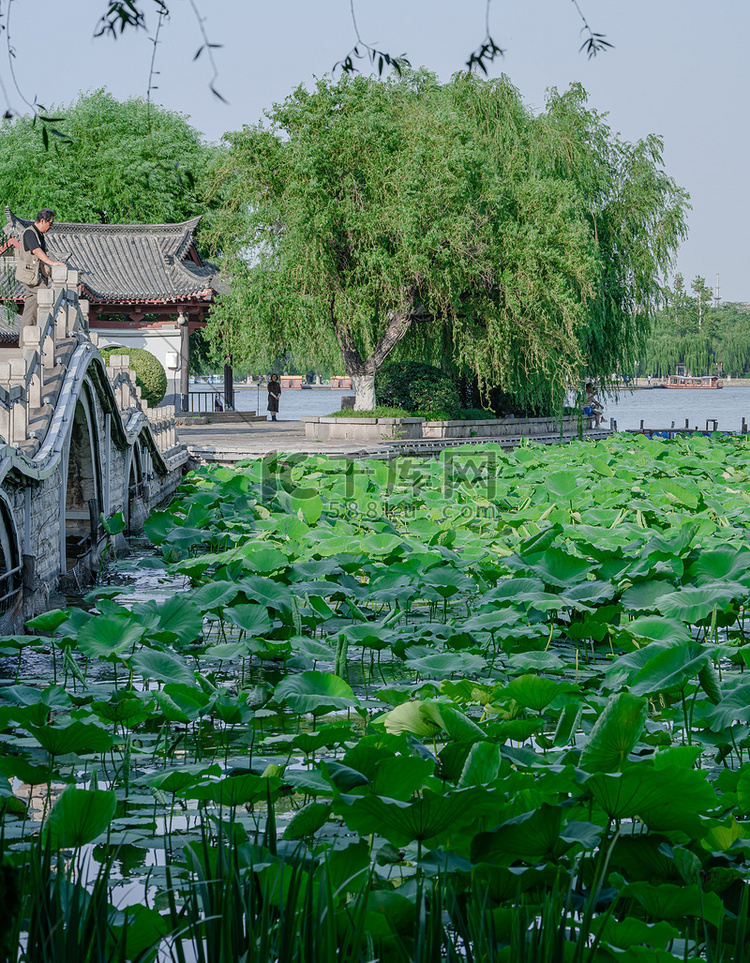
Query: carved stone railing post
x=6 y=407
x=59 y=277
x=33 y=362
x=19 y=412
x=31 y=338
x=83 y=319
x=46 y=300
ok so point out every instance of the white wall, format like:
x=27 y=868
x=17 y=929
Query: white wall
x=160 y=342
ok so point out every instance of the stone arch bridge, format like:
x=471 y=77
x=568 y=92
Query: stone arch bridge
x=76 y=440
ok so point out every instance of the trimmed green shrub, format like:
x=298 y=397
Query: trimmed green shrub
x=150 y=377
x=416 y=387
x=380 y=412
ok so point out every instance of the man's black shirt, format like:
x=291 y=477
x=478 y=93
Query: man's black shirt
x=31 y=242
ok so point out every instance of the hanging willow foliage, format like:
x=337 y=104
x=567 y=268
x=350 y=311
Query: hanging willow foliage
x=528 y=247
x=690 y=331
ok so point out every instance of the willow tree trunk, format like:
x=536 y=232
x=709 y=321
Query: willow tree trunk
x=364 y=391
x=361 y=370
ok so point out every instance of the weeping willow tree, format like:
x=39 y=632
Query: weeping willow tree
x=364 y=213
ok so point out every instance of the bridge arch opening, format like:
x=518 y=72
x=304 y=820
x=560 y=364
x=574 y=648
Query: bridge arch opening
x=136 y=493
x=83 y=490
x=11 y=578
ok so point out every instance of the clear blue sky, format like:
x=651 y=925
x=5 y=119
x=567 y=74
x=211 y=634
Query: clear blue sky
x=679 y=68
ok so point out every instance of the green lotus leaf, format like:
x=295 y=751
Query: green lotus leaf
x=538 y=661
x=665 y=799
x=327 y=736
x=455 y=724
x=128 y=710
x=558 y=567
x=408 y=717
x=182 y=778
x=568 y=724
x=534 y=691
x=240 y=790
x=180 y=620
x=445 y=583
x=37 y=703
x=379 y=545
x=615 y=733
x=143 y=928
x=188 y=697
x=564 y=484
x=670 y=668
x=717 y=564
x=168 y=708
x=513 y=589
x=79 y=816
x=585 y=594
x=214 y=595
x=266 y=560
x=634 y=933
x=645 y=596
x=670 y=902
x=227 y=651
x=733 y=707
x=369 y=635
x=674 y=543
x=343 y=778
x=482 y=767
x=310 y=507
x=443 y=664
x=430 y=817
x=315 y=692
x=109 y=637
x=400 y=777
x=251 y=618
x=679 y=494
x=307 y=821
x=49 y=621
x=158 y=525
x=693 y=604
x=541 y=541
x=78 y=737
x=347 y=868
x=532 y=836
x=309 y=781
x=656 y=628
x=20 y=768
x=743 y=789
x=163 y=666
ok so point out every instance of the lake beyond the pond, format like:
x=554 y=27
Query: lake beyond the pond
x=658 y=408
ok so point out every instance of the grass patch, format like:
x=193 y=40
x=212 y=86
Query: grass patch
x=382 y=411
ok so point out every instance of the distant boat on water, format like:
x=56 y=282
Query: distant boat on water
x=686 y=381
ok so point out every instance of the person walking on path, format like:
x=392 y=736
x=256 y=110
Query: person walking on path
x=33 y=265
x=274 y=393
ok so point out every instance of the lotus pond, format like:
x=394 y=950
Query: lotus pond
x=491 y=706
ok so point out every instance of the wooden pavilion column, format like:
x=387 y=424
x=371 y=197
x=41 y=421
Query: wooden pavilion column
x=228 y=386
x=184 y=360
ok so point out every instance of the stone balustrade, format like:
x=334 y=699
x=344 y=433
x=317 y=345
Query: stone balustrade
x=30 y=381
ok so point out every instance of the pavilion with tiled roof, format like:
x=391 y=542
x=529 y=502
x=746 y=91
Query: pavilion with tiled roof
x=147 y=284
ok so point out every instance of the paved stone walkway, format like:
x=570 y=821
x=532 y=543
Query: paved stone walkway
x=230 y=443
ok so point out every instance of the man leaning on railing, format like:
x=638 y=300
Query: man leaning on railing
x=33 y=264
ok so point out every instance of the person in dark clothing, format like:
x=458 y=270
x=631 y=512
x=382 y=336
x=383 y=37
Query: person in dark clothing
x=34 y=267
x=274 y=393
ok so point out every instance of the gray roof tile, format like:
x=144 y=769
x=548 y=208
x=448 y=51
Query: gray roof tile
x=129 y=262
